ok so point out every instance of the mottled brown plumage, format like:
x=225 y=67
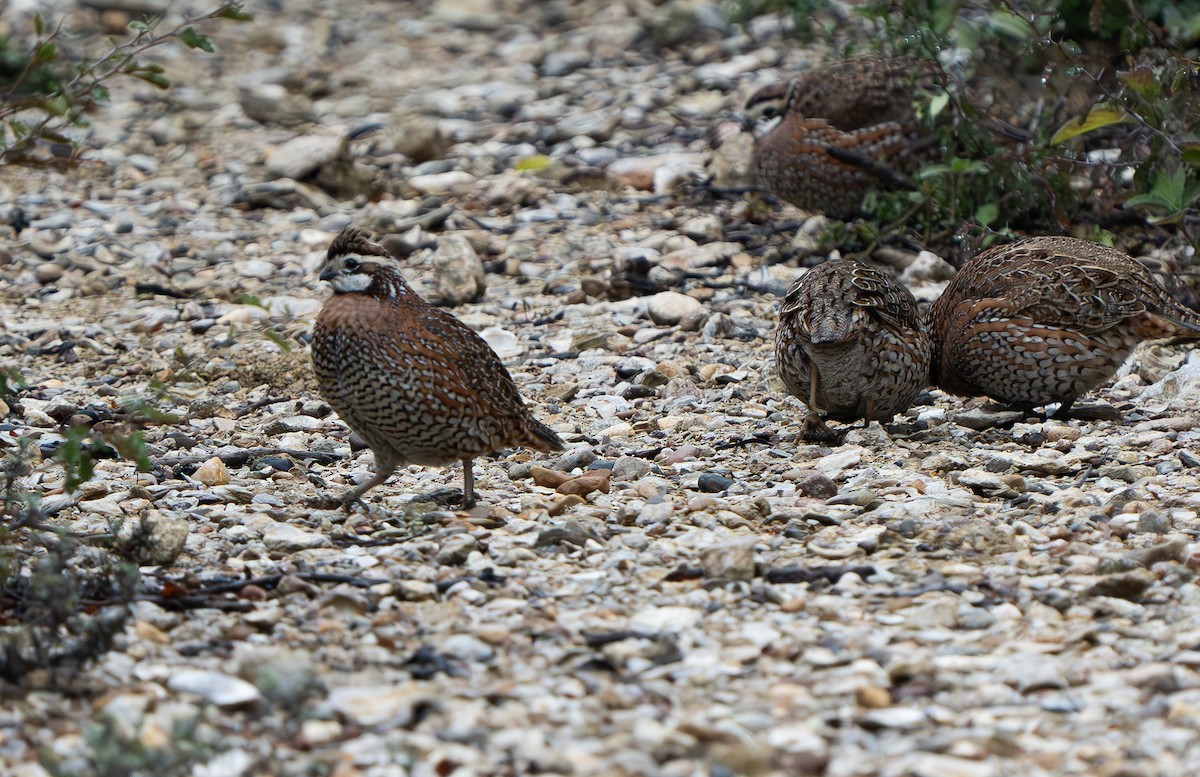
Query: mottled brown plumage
x=835 y=133
x=418 y=385
x=1048 y=319
x=851 y=344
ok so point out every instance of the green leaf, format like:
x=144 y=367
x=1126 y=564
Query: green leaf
x=1141 y=81
x=138 y=25
x=45 y=52
x=938 y=103
x=532 y=164
x=1190 y=153
x=194 y=40
x=55 y=106
x=11 y=381
x=278 y=339
x=38 y=26
x=987 y=213
x=77 y=462
x=1101 y=115
x=151 y=74
x=933 y=171
x=1011 y=25
x=234 y=12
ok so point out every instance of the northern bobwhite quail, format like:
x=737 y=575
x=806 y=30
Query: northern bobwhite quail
x=418 y=385
x=851 y=344
x=1047 y=319
x=826 y=138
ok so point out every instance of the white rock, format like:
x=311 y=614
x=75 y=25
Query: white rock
x=928 y=266
x=287 y=538
x=467 y=648
x=1181 y=384
x=220 y=689
x=441 y=183
x=255 y=268
x=643 y=172
x=935 y=765
x=375 y=705
x=295 y=307
x=668 y=619
x=504 y=343
x=300 y=157
x=668 y=308
x=607 y=405
x=457 y=270
x=234 y=762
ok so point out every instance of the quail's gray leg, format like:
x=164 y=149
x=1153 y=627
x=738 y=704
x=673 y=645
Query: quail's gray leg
x=384 y=467
x=468 y=500
x=1064 y=410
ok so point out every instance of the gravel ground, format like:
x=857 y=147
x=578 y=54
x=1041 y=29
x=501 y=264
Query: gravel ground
x=689 y=589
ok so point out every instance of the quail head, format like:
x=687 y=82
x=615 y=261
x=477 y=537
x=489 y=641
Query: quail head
x=1046 y=320
x=851 y=345
x=418 y=385
x=826 y=138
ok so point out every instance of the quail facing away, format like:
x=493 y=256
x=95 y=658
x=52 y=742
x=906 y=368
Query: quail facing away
x=826 y=138
x=418 y=385
x=1047 y=319
x=851 y=344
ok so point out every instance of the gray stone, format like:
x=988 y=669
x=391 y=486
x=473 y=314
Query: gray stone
x=457 y=270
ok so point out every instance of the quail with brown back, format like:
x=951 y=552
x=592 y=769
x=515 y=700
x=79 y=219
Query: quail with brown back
x=828 y=137
x=1047 y=319
x=851 y=344
x=418 y=385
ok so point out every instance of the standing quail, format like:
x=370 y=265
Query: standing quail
x=418 y=385
x=828 y=137
x=1048 y=319
x=851 y=344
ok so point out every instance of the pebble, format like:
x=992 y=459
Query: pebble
x=730 y=560
x=457 y=270
x=215 y=687
x=302 y=156
x=668 y=308
x=212 y=472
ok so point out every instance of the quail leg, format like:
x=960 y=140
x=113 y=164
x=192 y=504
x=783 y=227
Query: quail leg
x=347 y=499
x=1064 y=410
x=468 y=500
x=814 y=429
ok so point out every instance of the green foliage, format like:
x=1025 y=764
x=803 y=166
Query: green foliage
x=45 y=91
x=1017 y=158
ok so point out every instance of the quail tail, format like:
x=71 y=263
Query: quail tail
x=540 y=437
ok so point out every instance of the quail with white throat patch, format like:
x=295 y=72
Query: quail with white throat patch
x=418 y=385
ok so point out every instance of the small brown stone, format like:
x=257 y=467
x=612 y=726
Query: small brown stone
x=593 y=480
x=872 y=696
x=548 y=478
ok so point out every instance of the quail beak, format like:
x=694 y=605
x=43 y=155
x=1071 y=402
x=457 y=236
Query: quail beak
x=328 y=274
x=743 y=121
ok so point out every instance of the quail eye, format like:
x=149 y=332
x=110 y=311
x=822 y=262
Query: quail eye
x=351 y=264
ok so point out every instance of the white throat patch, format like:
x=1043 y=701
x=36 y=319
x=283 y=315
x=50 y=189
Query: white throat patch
x=351 y=282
